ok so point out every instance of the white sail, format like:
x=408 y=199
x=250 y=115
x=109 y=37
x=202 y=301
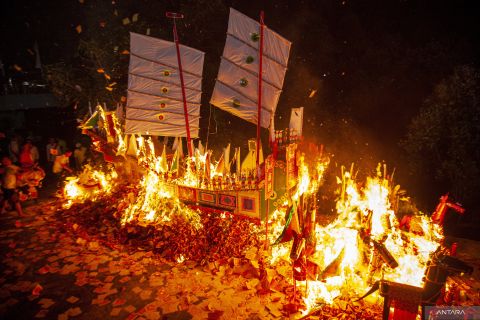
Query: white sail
x=236 y=88
x=155 y=100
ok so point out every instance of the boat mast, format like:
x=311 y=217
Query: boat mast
x=259 y=111
x=175 y=16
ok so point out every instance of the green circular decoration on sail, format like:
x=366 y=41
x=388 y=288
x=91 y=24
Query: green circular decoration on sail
x=249 y=59
x=254 y=36
x=243 y=82
x=236 y=103
x=166 y=73
x=165 y=90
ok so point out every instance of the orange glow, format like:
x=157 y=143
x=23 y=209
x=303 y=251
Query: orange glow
x=347 y=251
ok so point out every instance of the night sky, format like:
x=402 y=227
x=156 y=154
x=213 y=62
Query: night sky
x=372 y=63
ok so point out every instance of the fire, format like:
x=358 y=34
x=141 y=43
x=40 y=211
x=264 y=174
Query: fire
x=365 y=222
x=155 y=202
x=90 y=184
x=362 y=245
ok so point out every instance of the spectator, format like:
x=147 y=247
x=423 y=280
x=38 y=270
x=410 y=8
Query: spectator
x=14 y=148
x=28 y=155
x=9 y=187
x=53 y=150
x=62 y=162
x=79 y=155
x=62 y=144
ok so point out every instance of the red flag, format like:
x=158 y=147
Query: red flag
x=110 y=124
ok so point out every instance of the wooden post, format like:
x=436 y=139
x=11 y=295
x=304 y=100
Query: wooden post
x=174 y=16
x=259 y=109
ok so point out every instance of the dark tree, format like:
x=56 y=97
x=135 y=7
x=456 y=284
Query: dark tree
x=443 y=141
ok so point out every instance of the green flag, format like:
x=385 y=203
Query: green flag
x=92 y=122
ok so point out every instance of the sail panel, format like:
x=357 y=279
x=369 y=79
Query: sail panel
x=161 y=89
x=229 y=100
x=248 y=30
x=246 y=84
x=139 y=100
x=156 y=71
x=236 y=88
x=165 y=52
x=155 y=100
x=155 y=122
x=159 y=116
x=142 y=127
x=247 y=57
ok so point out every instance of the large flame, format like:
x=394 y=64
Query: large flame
x=365 y=215
x=89 y=184
x=363 y=244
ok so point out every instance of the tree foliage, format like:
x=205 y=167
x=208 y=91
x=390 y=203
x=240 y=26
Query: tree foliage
x=443 y=140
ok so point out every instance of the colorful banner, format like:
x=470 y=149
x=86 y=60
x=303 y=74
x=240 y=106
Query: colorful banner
x=227 y=200
x=208 y=197
x=292 y=171
x=269 y=177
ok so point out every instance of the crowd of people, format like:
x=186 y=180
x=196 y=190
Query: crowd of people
x=23 y=167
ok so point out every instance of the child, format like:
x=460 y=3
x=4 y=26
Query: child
x=9 y=186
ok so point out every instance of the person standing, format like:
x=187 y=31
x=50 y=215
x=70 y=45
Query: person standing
x=29 y=155
x=9 y=187
x=14 y=148
x=52 y=150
